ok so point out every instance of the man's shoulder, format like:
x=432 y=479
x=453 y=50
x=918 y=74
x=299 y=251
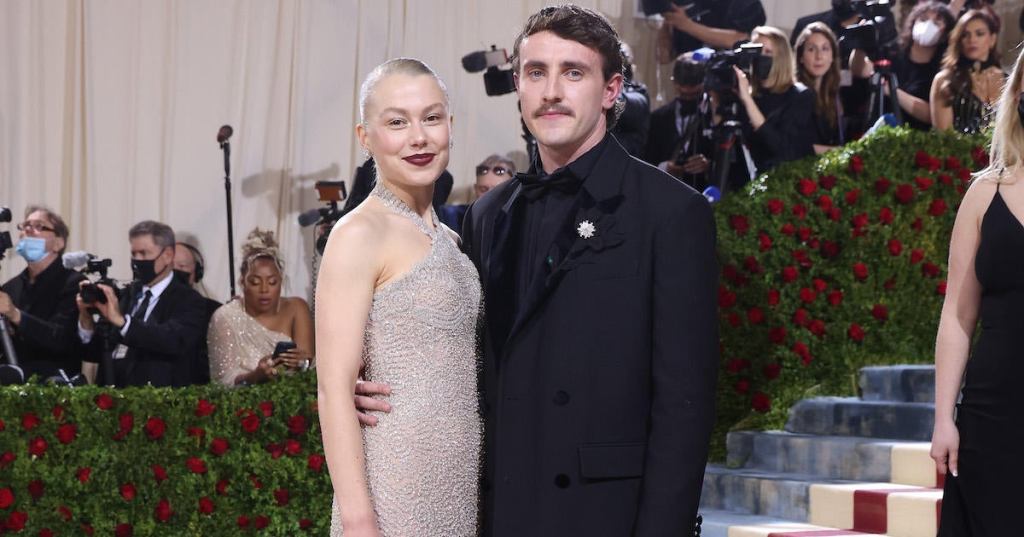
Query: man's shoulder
x=655 y=185
x=493 y=200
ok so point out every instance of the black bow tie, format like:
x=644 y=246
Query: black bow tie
x=537 y=186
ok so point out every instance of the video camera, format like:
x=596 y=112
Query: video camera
x=87 y=263
x=5 y=236
x=498 y=77
x=719 y=75
x=876 y=35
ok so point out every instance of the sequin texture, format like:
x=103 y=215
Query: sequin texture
x=423 y=458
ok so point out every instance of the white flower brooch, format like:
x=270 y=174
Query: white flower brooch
x=586 y=229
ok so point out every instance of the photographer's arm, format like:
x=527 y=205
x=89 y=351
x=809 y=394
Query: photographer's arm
x=747 y=98
x=55 y=333
x=716 y=37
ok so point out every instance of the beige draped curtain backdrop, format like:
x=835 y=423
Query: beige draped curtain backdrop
x=109 y=108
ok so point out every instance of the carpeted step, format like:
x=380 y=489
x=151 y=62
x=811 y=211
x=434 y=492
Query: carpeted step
x=849 y=416
x=885 y=508
x=772 y=494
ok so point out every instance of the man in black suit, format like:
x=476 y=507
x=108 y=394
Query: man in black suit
x=676 y=143
x=601 y=344
x=154 y=331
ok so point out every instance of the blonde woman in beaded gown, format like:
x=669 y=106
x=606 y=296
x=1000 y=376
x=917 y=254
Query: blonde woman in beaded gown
x=398 y=302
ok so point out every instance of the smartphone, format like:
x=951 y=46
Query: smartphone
x=282 y=347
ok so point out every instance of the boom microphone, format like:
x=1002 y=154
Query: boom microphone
x=76 y=260
x=224 y=133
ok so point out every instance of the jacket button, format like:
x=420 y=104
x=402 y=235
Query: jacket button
x=561 y=398
x=562 y=481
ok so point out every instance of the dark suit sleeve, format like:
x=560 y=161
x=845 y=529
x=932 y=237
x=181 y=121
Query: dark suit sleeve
x=168 y=339
x=789 y=132
x=58 y=333
x=684 y=370
x=469 y=237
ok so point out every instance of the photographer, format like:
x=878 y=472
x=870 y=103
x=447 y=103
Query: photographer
x=189 y=268
x=40 y=302
x=840 y=16
x=718 y=24
x=923 y=41
x=157 y=326
x=780 y=109
x=674 y=142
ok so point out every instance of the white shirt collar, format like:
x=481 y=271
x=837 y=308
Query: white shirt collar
x=160 y=286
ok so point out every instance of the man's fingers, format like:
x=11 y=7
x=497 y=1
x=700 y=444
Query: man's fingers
x=364 y=387
x=365 y=403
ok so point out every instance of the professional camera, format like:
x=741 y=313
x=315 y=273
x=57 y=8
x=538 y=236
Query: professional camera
x=876 y=35
x=87 y=263
x=5 y=236
x=498 y=77
x=719 y=74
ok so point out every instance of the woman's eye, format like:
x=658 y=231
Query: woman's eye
x=396 y=122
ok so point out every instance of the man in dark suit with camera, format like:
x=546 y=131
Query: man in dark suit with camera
x=153 y=332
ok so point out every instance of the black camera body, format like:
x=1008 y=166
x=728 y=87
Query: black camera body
x=5 y=236
x=719 y=75
x=91 y=294
x=877 y=36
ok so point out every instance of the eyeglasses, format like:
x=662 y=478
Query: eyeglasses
x=36 y=226
x=498 y=170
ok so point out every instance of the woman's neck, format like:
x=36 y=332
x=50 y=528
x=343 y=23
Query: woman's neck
x=418 y=198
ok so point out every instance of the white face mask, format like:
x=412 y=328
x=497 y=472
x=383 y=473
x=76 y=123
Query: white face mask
x=926 y=33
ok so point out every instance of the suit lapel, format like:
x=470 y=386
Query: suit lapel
x=499 y=260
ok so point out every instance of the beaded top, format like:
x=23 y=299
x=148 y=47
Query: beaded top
x=423 y=458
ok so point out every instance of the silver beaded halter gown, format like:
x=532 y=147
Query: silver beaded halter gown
x=423 y=458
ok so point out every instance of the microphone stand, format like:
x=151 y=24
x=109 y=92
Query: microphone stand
x=226 y=147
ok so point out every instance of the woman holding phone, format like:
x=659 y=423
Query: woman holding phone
x=257 y=335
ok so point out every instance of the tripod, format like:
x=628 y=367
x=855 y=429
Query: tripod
x=10 y=372
x=877 y=102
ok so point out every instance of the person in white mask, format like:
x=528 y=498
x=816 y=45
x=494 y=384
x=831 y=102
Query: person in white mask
x=39 y=303
x=922 y=43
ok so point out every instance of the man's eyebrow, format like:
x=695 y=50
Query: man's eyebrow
x=565 y=65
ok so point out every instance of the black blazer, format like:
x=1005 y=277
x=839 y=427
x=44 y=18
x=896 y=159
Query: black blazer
x=598 y=404
x=162 y=349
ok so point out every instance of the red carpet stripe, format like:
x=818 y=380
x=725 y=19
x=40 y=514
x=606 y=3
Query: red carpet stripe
x=870 y=508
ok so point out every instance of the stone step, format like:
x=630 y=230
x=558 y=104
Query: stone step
x=792 y=529
x=898 y=383
x=772 y=494
x=850 y=416
x=719 y=523
x=834 y=457
x=884 y=508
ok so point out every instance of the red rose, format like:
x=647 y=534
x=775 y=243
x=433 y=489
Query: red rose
x=979 y=156
x=916 y=225
x=755 y=315
x=126 y=422
x=749 y=263
x=787 y=229
x=819 y=285
x=128 y=491
x=922 y=159
x=267 y=408
x=829 y=249
x=806 y=186
x=735 y=365
x=281 y=497
x=834 y=214
x=800 y=317
x=775 y=206
x=219 y=446
x=801 y=350
x=123 y=530
x=860 y=271
x=275 y=450
x=36 y=489
x=827 y=181
x=726 y=298
x=155 y=428
x=67 y=433
x=889 y=284
x=7 y=458
x=260 y=522
x=799 y=211
x=804 y=233
x=855 y=332
x=859 y=221
x=163 y=510
x=773 y=297
x=940 y=288
x=817 y=327
x=835 y=297
x=952 y=163
x=17 y=520
x=895 y=247
x=772 y=371
x=2 y=425
x=159 y=474
x=964 y=174
x=196 y=465
x=732 y=318
x=37 y=447
x=807 y=295
x=6 y=498
x=856 y=164
x=916 y=255
x=937 y=208
x=882 y=185
x=789 y=274
x=45 y=532
x=764 y=242
x=930 y=270
x=824 y=202
x=29 y=421
x=250 y=421
x=737 y=222
x=923 y=183
x=880 y=312
x=316 y=462
x=852 y=196
x=58 y=412
x=243 y=521
x=205 y=505
x=945 y=179
x=742 y=386
x=885 y=215
x=777 y=335
x=305 y=524
x=83 y=474
x=222 y=487
x=204 y=408
x=292 y=447
x=904 y=194
x=761 y=402
x=104 y=401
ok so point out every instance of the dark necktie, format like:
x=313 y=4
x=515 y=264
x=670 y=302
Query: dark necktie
x=139 y=313
x=536 y=186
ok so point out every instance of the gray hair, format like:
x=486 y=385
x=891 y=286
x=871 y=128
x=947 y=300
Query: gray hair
x=495 y=159
x=397 y=66
x=163 y=235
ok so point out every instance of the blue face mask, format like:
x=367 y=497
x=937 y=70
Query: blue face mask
x=33 y=249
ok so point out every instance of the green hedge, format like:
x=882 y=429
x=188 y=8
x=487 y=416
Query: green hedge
x=147 y=461
x=834 y=263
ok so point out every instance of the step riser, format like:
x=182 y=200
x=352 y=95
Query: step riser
x=835 y=458
x=834 y=416
x=910 y=384
x=774 y=498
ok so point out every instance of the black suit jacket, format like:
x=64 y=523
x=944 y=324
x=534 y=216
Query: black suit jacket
x=162 y=349
x=599 y=402
x=663 y=138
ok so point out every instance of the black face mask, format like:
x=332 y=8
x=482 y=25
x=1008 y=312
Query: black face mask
x=144 y=270
x=183 y=277
x=688 y=106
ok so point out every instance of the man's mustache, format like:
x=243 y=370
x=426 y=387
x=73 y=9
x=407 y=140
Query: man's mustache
x=553 y=109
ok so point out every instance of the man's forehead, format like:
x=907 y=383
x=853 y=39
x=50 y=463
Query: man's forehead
x=550 y=49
